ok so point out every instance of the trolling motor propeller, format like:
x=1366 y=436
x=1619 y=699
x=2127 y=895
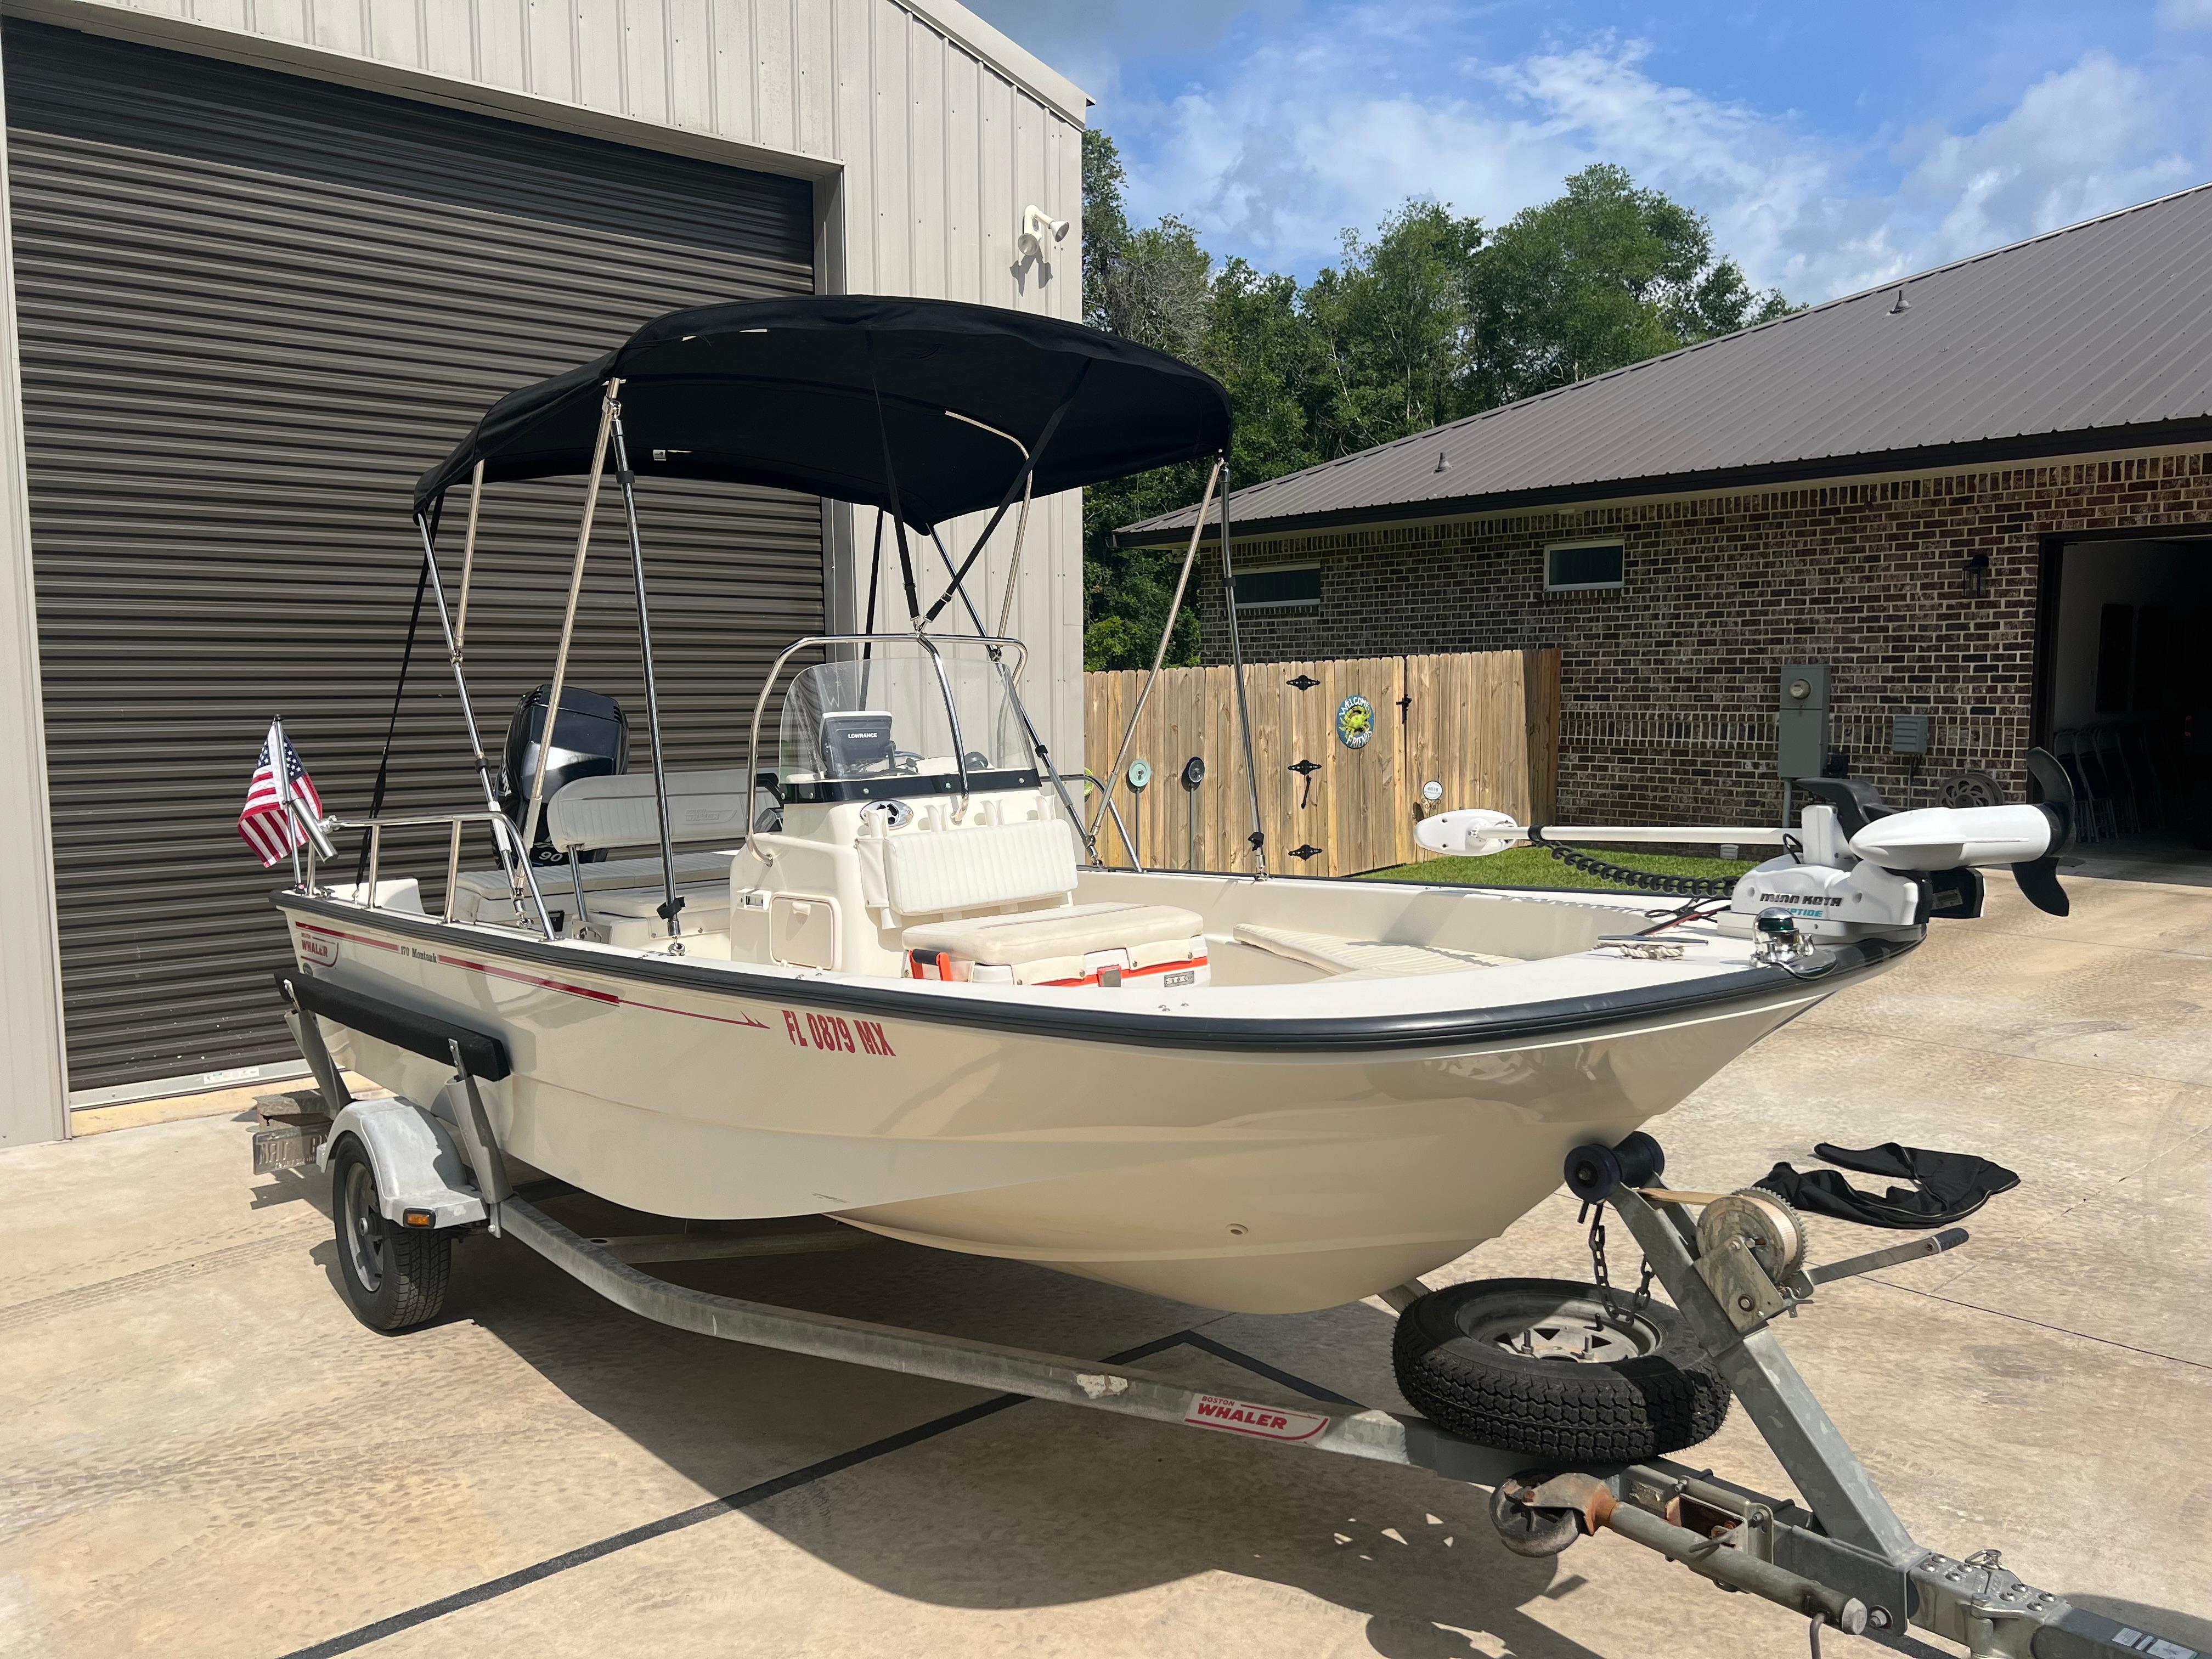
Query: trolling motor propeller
x=2039 y=878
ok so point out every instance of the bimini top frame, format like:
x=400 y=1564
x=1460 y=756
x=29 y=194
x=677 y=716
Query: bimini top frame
x=924 y=408
x=849 y=398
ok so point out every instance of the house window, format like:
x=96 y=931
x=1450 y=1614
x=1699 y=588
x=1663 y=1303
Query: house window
x=1577 y=567
x=1278 y=586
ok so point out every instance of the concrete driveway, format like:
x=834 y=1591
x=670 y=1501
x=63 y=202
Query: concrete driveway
x=201 y=1452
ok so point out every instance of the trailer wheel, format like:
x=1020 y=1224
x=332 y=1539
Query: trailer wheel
x=394 y=1278
x=1543 y=1366
x=1525 y=1530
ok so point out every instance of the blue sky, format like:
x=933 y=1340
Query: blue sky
x=1833 y=147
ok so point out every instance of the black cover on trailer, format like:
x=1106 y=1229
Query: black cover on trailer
x=785 y=392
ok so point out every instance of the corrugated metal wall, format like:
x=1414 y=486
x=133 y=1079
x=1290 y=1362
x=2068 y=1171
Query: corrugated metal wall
x=940 y=131
x=253 y=308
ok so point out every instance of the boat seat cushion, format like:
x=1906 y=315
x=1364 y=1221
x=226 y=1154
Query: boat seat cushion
x=934 y=870
x=1370 y=957
x=483 y=890
x=619 y=809
x=1068 y=945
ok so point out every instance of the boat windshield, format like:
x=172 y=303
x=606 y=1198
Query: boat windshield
x=863 y=728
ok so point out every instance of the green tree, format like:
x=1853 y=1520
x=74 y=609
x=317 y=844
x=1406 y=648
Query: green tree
x=1261 y=345
x=1155 y=286
x=1395 y=326
x=1605 y=275
x=1430 y=320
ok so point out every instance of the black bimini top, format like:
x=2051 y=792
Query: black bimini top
x=896 y=404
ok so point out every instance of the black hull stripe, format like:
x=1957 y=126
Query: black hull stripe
x=1744 y=990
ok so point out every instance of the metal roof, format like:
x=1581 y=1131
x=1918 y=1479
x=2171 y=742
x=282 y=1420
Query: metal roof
x=2098 y=336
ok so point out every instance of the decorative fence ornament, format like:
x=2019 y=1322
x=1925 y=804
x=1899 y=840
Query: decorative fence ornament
x=1355 y=721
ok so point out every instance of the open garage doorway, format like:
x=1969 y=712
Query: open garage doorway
x=2124 y=697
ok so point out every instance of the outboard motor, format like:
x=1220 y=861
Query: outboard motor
x=591 y=741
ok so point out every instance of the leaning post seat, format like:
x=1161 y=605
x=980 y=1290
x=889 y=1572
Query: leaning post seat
x=597 y=813
x=1106 y=945
x=1023 y=863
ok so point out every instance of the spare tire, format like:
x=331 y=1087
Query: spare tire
x=1543 y=1366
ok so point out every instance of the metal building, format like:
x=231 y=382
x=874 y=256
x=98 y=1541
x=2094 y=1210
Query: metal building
x=262 y=263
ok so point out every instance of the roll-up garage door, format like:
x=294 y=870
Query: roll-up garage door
x=253 y=308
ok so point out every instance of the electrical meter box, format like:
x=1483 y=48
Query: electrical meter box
x=1803 y=746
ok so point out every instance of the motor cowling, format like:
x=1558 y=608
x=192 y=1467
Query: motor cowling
x=1945 y=837
x=591 y=740
x=1829 y=905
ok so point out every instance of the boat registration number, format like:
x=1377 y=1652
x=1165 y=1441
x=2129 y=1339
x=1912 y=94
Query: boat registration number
x=837 y=1034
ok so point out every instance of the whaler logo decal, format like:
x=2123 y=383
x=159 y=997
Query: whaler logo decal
x=1212 y=1411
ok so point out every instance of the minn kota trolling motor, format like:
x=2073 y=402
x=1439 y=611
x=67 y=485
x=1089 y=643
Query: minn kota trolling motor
x=1855 y=867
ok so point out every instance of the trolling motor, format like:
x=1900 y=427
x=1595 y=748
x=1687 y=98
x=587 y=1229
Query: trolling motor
x=1853 y=866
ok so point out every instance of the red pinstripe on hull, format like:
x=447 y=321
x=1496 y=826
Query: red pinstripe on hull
x=464 y=963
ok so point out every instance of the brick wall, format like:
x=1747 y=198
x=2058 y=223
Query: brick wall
x=1670 y=683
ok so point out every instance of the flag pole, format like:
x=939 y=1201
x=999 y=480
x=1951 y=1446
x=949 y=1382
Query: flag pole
x=284 y=776
x=308 y=823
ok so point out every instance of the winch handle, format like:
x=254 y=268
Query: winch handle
x=1594 y=1171
x=1935 y=1245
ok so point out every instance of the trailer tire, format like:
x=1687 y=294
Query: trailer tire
x=394 y=1278
x=1661 y=1394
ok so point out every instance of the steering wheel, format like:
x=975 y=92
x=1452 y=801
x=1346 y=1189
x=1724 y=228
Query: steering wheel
x=905 y=760
x=977 y=761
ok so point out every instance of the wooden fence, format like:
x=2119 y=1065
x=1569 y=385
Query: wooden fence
x=1483 y=725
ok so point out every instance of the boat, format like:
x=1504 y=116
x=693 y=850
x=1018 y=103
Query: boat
x=878 y=968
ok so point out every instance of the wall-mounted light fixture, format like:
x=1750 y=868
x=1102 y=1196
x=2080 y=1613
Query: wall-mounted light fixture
x=1974 y=576
x=1039 y=229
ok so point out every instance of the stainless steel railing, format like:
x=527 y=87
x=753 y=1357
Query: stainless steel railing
x=506 y=840
x=1114 y=812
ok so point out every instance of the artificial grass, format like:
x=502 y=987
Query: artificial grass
x=1532 y=867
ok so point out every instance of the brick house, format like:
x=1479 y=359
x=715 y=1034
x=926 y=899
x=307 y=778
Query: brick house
x=1979 y=497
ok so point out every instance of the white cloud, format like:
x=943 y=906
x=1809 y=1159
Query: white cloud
x=1333 y=126
x=1089 y=41
x=2185 y=13
x=2093 y=137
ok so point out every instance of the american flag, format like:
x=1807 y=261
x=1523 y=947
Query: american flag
x=267 y=822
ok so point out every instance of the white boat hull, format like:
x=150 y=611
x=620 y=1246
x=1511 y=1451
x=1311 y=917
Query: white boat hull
x=1255 y=1180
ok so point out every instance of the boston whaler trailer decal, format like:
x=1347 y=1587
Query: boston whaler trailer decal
x=1260 y=1094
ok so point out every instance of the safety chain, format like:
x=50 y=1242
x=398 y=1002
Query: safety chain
x=1675 y=886
x=1598 y=1270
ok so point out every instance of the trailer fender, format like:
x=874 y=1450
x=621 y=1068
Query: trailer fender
x=418 y=1164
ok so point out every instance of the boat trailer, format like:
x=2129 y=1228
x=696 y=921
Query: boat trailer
x=1837 y=1555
